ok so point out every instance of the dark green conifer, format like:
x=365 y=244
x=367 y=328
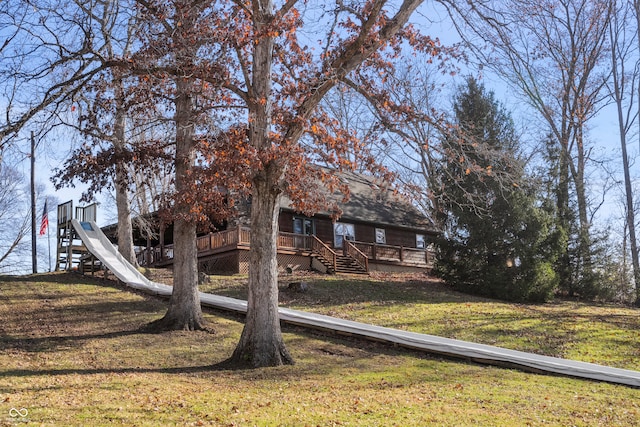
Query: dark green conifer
x=498 y=241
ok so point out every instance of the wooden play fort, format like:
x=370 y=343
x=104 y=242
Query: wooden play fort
x=71 y=253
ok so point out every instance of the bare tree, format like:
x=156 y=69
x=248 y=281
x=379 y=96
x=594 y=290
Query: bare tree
x=111 y=26
x=15 y=215
x=178 y=67
x=553 y=52
x=282 y=108
x=151 y=187
x=356 y=120
x=47 y=58
x=625 y=73
x=413 y=140
x=53 y=53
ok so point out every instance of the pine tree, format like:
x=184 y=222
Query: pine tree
x=497 y=242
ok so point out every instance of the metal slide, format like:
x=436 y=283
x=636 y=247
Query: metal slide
x=100 y=246
x=103 y=249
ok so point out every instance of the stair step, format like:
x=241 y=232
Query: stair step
x=344 y=264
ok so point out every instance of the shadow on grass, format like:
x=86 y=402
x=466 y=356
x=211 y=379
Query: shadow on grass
x=337 y=352
x=51 y=343
x=94 y=371
x=550 y=334
x=60 y=277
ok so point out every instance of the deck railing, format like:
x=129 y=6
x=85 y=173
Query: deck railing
x=226 y=239
x=294 y=241
x=233 y=238
x=378 y=252
x=325 y=252
x=357 y=254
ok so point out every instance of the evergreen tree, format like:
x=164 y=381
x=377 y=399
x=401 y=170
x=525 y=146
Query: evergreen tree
x=497 y=241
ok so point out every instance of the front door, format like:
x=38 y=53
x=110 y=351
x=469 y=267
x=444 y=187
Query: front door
x=303 y=226
x=341 y=232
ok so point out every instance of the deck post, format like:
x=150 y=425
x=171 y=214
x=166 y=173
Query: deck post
x=161 y=238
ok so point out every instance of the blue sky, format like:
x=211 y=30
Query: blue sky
x=432 y=20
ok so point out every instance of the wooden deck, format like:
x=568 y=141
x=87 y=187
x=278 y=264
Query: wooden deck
x=239 y=238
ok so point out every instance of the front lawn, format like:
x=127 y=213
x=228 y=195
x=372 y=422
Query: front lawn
x=73 y=355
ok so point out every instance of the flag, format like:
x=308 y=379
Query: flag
x=45 y=220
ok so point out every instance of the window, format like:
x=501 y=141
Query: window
x=381 y=237
x=297 y=225
x=420 y=243
x=342 y=232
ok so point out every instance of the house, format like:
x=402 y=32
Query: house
x=378 y=230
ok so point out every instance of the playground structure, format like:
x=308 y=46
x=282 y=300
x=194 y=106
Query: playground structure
x=71 y=253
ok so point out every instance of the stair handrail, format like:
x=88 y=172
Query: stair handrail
x=321 y=248
x=361 y=258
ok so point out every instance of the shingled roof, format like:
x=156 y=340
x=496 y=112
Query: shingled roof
x=373 y=201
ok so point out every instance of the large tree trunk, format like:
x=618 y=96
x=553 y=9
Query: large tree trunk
x=584 y=238
x=261 y=343
x=185 y=312
x=635 y=252
x=123 y=206
x=631 y=221
x=563 y=266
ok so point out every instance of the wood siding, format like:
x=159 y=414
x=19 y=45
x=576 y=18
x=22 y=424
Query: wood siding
x=365 y=232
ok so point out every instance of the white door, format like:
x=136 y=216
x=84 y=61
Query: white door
x=341 y=232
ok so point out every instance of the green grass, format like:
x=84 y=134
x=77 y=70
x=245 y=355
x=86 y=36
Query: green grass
x=605 y=334
x=72 y=355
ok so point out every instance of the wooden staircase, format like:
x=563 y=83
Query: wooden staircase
x=346 y=264
x=337 y=262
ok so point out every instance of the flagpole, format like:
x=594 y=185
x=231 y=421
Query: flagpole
x=44 y=226
x=34 y=248
x=48 y=235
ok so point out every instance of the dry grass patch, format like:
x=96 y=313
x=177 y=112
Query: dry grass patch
x=73 y=355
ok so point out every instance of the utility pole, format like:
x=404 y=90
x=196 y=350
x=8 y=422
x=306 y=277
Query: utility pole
x=34 y=248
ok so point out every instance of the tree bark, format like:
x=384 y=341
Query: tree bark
x=635 y=252
x=624 y=84
x=631 y=221
x=584 y=238
x=123 y=205
x=125 y=226
x=563 y=266
x=261 y=343
x=185 y=311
